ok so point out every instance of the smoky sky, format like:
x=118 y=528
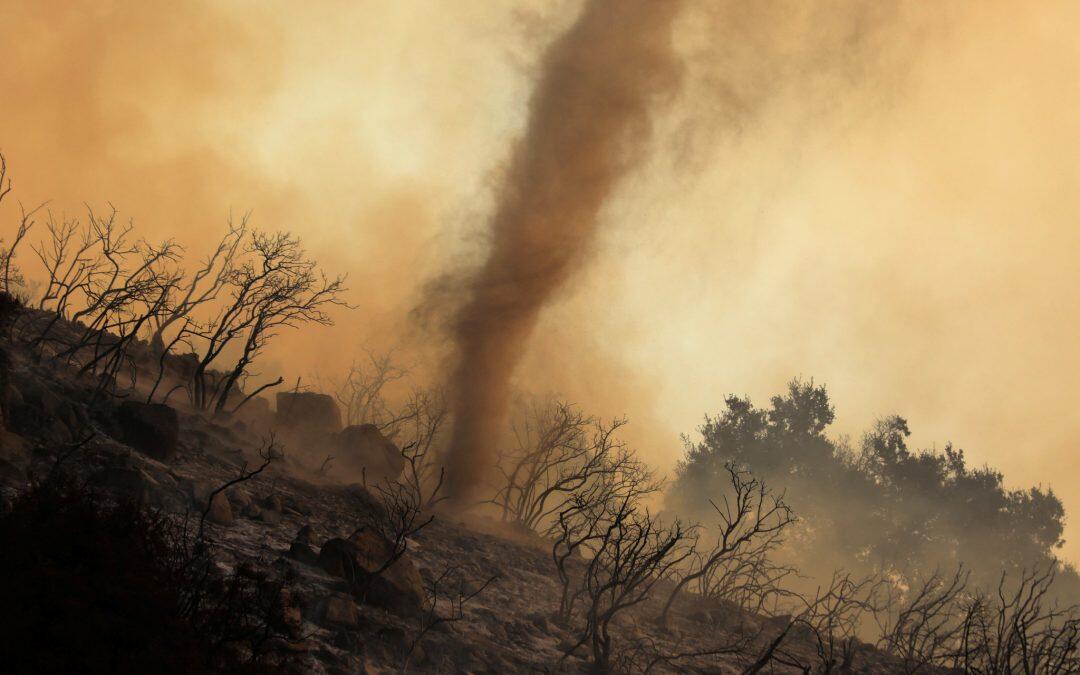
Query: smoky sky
x=877 y=195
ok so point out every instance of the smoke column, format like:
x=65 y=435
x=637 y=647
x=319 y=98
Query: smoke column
x=588 y=123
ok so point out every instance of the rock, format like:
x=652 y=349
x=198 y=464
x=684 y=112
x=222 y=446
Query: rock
x=339 y=610
x=305 y=535
x=269 y=511
x=151 y=428
x=303 y=552
x=35 y=410
x=358 y=558
x=335 y=556
x=198 y=490
x=10 y=400
x=220 y=512
x=14 y=448
x=11 y=475
x=308 y=413
x=129 y=482
x=255 y=414
x=297 y=505
x=540 y=621
x=302 y=548
x=363 y=447
x=240 y=499
x=292 y=617
x=273 y=502
x=270 y=516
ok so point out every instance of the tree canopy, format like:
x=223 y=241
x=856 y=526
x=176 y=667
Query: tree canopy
x=879 y=505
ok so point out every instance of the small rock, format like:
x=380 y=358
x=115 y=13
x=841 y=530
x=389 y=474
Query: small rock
x=340 y=610
x=14 y=448
x=540 y=621
x=305 y=535
x=273 y=502
x=220 y=510
x=270 y=516
x=298 y=505
x=240 y=499
x=291 y=616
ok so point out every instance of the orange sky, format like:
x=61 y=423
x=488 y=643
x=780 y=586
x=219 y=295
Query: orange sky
x=878 y=195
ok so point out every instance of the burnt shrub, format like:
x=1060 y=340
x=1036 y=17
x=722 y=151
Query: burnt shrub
x=10 y=308
x=90 y=584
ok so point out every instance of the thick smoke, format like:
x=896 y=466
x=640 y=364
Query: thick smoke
x=882 y=194
x=588 y=123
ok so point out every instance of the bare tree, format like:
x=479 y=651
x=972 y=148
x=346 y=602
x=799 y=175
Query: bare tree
x=454 y=604
x=749 y=577
x=400 y=516
x=1018 y=628
x=418 y=428
x=68 y=260
x=361 y=394
x=109 y=287
x=922 y=625
x=275 y=286
x=831 y=618
x=751 y=519
x=647 y=654
x=560 y=451
x=10 y=274
x=628 y=552
x=584 y=515
x=267 y=454
x=204 y=285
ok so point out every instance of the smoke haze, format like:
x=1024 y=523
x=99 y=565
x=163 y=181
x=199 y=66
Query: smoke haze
x=877 y=195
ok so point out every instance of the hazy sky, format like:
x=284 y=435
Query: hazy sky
x=882 y=196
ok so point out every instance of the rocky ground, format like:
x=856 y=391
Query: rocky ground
x=426 y=617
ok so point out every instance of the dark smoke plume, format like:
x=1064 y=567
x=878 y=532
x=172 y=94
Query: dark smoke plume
x=588 y=123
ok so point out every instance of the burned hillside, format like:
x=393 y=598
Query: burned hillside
x=362 y=576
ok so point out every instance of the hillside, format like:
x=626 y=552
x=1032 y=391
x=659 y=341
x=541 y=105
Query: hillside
x=485 y=596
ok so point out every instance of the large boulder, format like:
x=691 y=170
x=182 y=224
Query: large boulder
x=254 y=415
x=307 y=413
x=359 y=559
x=151 y=428
x=364 y=448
